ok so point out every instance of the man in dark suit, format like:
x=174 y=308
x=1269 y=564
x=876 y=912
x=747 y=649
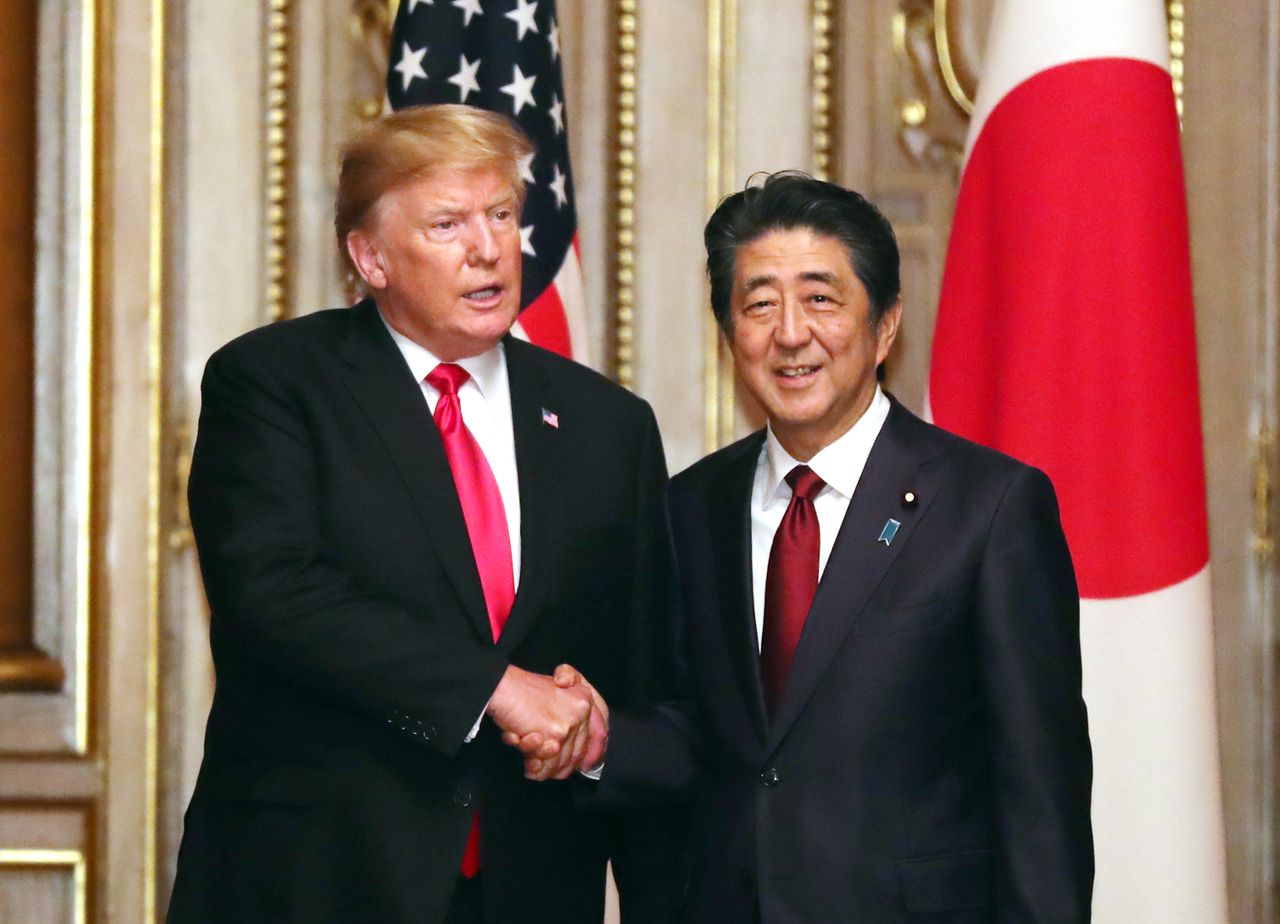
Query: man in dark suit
x=883 y=713
x=406 y=519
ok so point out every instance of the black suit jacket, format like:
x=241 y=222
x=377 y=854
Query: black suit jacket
x=353 y=650
x=929 y=760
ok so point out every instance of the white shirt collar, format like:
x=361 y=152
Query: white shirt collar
x=485 y=370
x=839 y=463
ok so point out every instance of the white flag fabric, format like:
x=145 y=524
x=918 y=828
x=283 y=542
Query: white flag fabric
x=1066 y=338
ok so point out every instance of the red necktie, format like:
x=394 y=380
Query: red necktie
x=486 y=521
x=790 y=583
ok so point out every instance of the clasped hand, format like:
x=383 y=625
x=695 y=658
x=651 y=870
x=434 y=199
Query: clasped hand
x=559 y=722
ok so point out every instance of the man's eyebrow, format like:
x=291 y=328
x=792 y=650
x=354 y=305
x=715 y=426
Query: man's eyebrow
x=769 y=279
x=756 y=282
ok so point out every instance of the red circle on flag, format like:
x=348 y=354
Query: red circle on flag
x=1065 y=334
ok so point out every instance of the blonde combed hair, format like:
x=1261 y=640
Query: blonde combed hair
x=416 y=142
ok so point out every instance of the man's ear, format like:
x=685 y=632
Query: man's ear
x=888 y=330
x=366 y=258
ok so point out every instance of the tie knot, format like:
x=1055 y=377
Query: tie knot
x=805 y=482
x=447 y=378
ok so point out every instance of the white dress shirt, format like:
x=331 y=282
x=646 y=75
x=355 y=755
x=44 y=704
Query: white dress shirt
x=486 y=410
x=839 y=464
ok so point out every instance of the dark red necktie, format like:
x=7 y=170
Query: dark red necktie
x=486 y=520
x=790 y=583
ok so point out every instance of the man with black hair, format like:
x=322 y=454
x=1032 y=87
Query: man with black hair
x=885 y=721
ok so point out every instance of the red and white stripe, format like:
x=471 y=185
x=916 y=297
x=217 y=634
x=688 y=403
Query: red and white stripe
x=557 y=319
x=1066 y=337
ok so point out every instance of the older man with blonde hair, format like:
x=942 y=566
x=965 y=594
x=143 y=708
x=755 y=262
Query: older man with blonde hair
x=406 y=519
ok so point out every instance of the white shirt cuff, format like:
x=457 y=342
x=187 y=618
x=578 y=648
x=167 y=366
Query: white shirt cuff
x=475 y=729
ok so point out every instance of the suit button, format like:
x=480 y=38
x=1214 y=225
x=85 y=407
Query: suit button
x=462 y=798
x=429 y=733
x=770 y=777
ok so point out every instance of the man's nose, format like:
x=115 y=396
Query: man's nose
x=793 y=327
x=482 y=242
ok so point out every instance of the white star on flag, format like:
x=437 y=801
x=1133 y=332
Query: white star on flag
x=522 y=16
x=526 y=168
x=553 y=39
x=469 y=8
x=410 y=65
x=465 y=79
x=413 y=4
x=557 y=187
x=526 y=241
x=520 y=89
x=557 y=113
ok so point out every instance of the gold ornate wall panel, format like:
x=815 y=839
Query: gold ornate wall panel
x=43 y=885
x=44 y=693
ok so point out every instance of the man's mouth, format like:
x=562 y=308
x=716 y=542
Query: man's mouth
x=487 y=294
x=796 y=372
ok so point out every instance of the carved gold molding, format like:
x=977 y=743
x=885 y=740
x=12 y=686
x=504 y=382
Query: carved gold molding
x=1264 y=542
x=955 y=83
x=924 y=47
x=71 y=860
x=722 y=57
x=625 y=196
x=277 y=154
x=920 y=44
x=369 y=25
x=821 y=71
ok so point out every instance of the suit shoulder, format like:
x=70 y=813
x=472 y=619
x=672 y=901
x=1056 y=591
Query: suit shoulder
x=576 y=381
x=711 y=468
x=972 y=461
x=280 y=340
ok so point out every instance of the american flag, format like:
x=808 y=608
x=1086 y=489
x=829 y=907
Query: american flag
x=504 y=55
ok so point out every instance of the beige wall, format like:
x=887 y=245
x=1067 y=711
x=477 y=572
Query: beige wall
x=158 y=174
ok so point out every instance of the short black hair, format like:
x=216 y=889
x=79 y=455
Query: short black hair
x=791 y=200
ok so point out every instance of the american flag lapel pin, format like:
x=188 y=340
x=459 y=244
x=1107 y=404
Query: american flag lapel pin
x=551 y=418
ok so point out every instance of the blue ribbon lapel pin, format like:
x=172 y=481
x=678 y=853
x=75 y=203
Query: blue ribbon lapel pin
x=889 y=531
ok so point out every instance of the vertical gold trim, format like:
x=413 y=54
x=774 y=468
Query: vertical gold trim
x=1176 y=11
x=72 y=859
x=942 y=42
x=1264 y=543
x=87 y=133
x=277 y=154
x=625 y=196
x=820 y=70
x=156 y=371
x=722 y=57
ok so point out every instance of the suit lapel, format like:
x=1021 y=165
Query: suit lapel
x=378 y=379
x=542 y=461
x=730 y=533
x=859 y=559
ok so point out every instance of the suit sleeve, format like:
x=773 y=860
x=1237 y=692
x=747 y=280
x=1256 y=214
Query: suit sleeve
x=1028 y=608
x=283 y=600
x=648 y=839
x=653 y=757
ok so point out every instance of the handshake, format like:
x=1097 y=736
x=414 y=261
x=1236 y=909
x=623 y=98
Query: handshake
x=559 y=722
